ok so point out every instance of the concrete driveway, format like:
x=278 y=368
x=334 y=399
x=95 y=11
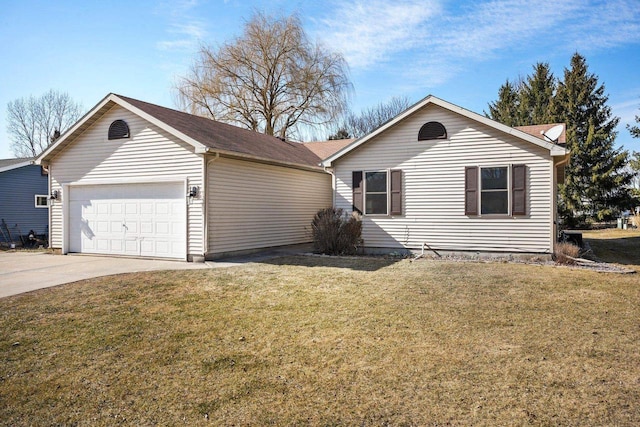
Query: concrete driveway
x=27 y=271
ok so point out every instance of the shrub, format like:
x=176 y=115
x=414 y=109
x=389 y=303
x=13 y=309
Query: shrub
x=564 y=250
x=335 y=232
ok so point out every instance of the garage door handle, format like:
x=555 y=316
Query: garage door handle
x=125 y=227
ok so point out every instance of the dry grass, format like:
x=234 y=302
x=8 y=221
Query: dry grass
x=616 y=246
x=321 y=341
x=565 y=253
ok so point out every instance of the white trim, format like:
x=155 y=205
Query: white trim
x=66 y=187
x=65 y=218
x=143 y=180
x=509 y=168
x=554 y=149
x=387 y=193
x=198 y=147
x=16 y=166
x=35 y=201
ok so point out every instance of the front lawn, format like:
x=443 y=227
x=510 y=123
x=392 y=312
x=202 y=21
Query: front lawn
x=320 y=341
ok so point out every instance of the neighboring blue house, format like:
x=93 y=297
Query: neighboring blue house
x=23 y=200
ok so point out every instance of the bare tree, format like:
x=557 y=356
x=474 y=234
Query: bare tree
x=33 y=123
x=369 y=119
x=272 y=79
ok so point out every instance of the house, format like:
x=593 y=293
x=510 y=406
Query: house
x=136 y=179
x=439 y=176
x=23 y=200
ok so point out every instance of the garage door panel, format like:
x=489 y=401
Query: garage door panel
x=136 y=219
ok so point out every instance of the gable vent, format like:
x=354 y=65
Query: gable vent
x=432 y=130
x=118 y=130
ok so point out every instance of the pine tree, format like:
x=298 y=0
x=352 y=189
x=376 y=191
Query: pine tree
x=536 y=96
x=596 y=183
x=506 y=109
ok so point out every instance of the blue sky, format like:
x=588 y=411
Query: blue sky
x=461 y=51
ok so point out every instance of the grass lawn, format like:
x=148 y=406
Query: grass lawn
x=319 y=341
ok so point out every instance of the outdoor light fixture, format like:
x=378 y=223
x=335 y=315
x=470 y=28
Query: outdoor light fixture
x=193 y=192
x=54 y=195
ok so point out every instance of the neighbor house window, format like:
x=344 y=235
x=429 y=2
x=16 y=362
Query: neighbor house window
x=377 y=192
x=118 y=130
x=497 y=190
x=42 y=201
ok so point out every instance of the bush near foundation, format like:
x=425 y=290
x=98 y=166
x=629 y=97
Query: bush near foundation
x=565 y=252
x=335 y=232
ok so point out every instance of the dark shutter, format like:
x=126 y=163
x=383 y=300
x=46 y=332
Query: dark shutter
x=356 y=180
x=396 y=192
x=471 y=190
x=519 y=190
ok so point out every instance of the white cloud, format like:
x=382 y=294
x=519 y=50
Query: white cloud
x=432 y=40
x=370 y=31
x=185 y=36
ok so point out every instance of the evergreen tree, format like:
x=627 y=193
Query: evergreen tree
x=536 y=96
x=506 y=109
x=635 y=130
x=596 y=182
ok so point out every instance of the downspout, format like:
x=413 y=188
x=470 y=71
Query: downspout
x=329 y=170
x=205 y=199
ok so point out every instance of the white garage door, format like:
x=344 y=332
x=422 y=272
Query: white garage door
x=134 y=219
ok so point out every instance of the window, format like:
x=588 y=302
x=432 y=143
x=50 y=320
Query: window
x=375 y=200
x=118 y=130
x=432 y=130
x=42 y=201
x=377 y=192
x=498 y=186
x=494 y=195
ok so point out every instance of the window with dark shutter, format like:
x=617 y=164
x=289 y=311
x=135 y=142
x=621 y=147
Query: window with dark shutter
x=376 y=200
x=396 y=192
x=356 y=180
x=519 y=190
x=494 y=190
x=118 y=130
x=432 y=130
x=471 y=190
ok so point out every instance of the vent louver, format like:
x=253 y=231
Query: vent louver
x=118 y=130
x=432 y=130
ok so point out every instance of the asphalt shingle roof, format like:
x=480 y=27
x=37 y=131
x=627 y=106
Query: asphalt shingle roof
x=229 y=138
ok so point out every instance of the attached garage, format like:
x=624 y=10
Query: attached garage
x=136 y=179
x=128 y=219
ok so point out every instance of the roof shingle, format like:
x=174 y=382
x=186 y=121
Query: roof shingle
x=229 y=138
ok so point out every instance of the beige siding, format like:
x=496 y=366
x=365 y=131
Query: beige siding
x=149 y=155
x=433 y=187
x=254 y=205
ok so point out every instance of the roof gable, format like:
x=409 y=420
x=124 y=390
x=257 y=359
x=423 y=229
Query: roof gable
x=554 y=149
x=205 y=135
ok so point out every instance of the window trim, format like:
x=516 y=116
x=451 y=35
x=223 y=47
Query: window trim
x=41 y=196
x=507 y=190
x=365 y=192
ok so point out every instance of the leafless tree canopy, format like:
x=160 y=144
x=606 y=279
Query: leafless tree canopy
x=33 y=123
x=369 y=119
x=272 y=79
